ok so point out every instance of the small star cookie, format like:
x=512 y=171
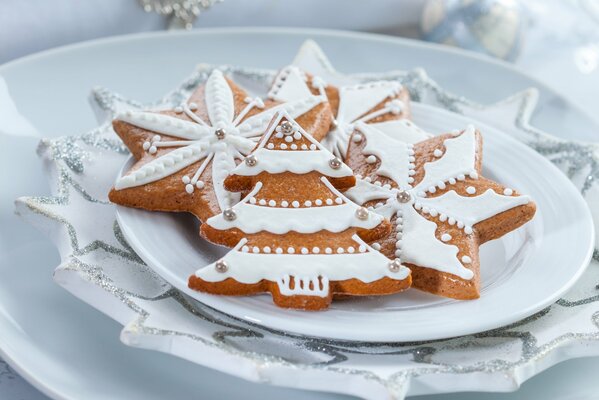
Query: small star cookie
x=386 y=104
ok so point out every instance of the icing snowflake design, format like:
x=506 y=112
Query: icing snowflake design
x=224 y=138
x=357 y=104
x=414 y=207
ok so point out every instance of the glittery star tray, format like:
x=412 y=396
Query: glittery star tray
x=136 y=270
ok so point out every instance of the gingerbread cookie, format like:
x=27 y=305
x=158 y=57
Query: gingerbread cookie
x=184 y=154
x=295 y=234
x=386 y=104
x=441 y=207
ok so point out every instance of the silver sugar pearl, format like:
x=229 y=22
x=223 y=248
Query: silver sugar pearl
x=287 y=127
x=403 y=196
x=335 y=163
x=229 y=214
x=251 y=160
x=395 y=265
x=221 y=266
x=362 y=213
x=220 y=134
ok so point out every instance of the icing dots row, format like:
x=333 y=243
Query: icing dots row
x=303 y=250
x=296 y=203
x=376 y=183
x=399 y=233
x=394 y=87
x=452 y=181
x=443 y=217
x=282 y=77
x=411 y=163
x=259 y=120
x=292 y=146
x=172 y=159
x=506 y=192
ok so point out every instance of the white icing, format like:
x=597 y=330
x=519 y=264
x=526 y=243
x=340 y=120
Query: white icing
x=416 y=240
x=219 y=100
x=393 y=154
x=364 y=192
x=458 y=160
x=403 y=130
x=252 y=218
x=305 y=286
x=471 y=210
x=419 y=249
x=356 y=104
x=222 y=163
x=357 y=100
x=245 y=267
x=297 y=162
x=289 y=85
x=162 y=167
x=165 y=124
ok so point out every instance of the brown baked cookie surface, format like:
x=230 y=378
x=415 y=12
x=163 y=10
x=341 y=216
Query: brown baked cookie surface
x=183 y=155
x=440 y=206
x=294 y=234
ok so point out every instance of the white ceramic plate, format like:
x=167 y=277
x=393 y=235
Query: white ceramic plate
x=521 y=273
x=70 y=351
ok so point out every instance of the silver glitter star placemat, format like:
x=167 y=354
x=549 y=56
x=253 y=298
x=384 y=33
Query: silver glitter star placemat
x=99 y=267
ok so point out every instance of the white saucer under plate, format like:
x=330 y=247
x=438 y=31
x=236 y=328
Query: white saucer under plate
x=521 y=273
x=70 y=351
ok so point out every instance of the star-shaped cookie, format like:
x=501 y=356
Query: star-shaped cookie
x=383 y=103
x=441 y=206
x=183 y=155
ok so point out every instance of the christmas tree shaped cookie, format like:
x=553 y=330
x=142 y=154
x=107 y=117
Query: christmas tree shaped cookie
x=183 y=155
x=441 y=207
x=295 y=234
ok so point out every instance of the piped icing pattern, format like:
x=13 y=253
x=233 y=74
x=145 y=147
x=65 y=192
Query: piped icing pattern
x=297 y=268
x=357 y=103
x=416 y=210
x=288 y=269
x=228 y=135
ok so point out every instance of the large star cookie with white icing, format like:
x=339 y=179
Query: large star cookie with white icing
x=441 y=207
x=183 y=155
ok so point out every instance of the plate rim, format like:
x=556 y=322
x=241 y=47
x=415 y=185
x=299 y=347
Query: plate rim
x=378 y=337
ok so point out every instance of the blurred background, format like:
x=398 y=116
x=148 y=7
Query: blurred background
x=550 y=38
